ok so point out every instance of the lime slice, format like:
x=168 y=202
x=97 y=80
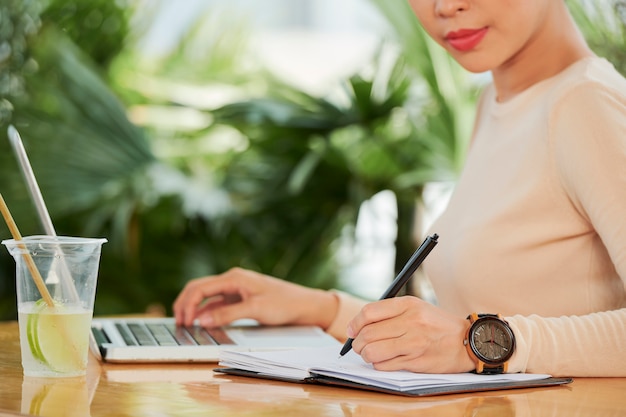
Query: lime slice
x=58 y=337
x=55 y=345
x=31 y=330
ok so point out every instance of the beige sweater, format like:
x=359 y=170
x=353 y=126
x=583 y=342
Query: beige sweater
x=536 y=227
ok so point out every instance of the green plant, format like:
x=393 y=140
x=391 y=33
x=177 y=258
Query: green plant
x=604 y=26
x=314 y=162
x=91 y=162
x=277 y=203
x=98 y=27
x=268 y=180
x=19 y=21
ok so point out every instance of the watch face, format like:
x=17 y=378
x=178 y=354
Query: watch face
x=492 y=340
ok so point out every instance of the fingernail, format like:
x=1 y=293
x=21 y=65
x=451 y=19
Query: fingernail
x=350 y=332
x=207 y=321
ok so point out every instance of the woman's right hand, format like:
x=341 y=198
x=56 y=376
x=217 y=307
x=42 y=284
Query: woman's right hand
x=239 y=293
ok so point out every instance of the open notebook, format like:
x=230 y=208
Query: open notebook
x=160 y=340
x=324 y=366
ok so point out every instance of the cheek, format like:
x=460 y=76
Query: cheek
x=424 y=11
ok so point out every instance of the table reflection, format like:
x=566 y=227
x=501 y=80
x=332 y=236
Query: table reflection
x=199 y=388
x=58 y=397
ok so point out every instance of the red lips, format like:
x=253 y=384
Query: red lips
x=465 y=39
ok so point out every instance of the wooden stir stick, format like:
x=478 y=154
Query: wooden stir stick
x=30 y=263
x=62 y=326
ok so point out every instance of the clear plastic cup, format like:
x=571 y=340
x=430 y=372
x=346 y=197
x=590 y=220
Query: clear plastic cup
x=54 y=329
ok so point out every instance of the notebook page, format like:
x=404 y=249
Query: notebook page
x=326 y=361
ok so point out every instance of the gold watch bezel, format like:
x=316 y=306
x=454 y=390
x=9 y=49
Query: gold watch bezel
x=483 y=363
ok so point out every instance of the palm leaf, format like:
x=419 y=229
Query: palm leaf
x=604 y=26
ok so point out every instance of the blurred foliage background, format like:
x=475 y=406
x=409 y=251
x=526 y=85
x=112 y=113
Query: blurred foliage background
x=261 y=174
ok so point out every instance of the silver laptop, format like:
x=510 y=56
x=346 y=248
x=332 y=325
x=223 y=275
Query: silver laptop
x=160 y=340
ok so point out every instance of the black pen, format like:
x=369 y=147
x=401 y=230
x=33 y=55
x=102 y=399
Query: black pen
x=407 y=272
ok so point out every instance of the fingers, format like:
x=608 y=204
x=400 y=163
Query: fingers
x=410 y=363
x=220 y=314
x=380 y=350
x=410 y=334
x=376 y=312
x=188 y=300
x=383 y=340
x=240 y=293
x=193 y=297
x=398 y=353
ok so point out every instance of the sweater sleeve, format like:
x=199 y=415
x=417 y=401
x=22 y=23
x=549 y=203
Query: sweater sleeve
x=589 y=144
x=589 y=345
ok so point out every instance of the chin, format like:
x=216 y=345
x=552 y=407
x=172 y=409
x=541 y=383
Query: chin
x=474 y=64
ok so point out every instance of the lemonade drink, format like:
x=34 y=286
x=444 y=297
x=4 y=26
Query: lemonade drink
x=57 y=339
x=56 y=287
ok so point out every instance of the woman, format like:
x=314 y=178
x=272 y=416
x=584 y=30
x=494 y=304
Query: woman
x=535 y=230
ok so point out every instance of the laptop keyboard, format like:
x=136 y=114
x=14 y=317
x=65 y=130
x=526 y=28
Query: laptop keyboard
x=160 y=334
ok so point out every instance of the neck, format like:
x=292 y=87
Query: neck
x=553 y=49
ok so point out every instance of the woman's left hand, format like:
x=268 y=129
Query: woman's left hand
x=406 y=333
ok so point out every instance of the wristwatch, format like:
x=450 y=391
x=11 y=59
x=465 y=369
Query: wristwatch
x=490 y=343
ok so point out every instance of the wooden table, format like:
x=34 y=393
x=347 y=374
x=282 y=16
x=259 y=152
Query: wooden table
x=194 y=390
